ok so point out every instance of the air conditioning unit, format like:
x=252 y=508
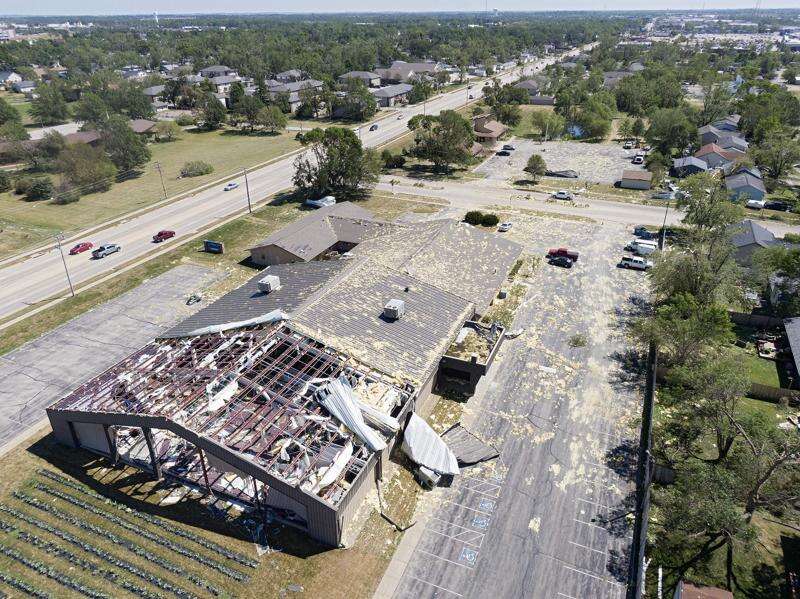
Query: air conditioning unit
x=394 y=309
x=269 y=284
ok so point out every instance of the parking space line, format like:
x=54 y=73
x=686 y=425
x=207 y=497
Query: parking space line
x=444 y=559
x=587 y=547
x=472 y=509
x=600 y=578
x=457 y=525
x=480 y=492
x=478 y=546
x=435 y=585
x=607 y=507
x=567 y=596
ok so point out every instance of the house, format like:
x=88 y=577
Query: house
x=792 y=328
x=23 y=87
x=568 y=65
x=369 y=78
x=290 y=76
x=748 y=237
x=685 y=590
x=8 y=78
x=392 y=94
x=222 y=83
x=743 y=186
x=689 y=165
x=153 y=93
x=529 y=85
x=292 y=89
x=734 y=168
x=486 y=129
x=636 y=67
x=612 y=78
x=783 y=289
x=708 y=134
x=729 y=123
x=217 y=70
x=732 y=142
x=636 y=179
x=716 y=157
x=543 y=100
x=142 y=126
x=401 y=71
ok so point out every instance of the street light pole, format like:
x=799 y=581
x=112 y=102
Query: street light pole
x=247 y=187
x=161 y=175
x=59 y=237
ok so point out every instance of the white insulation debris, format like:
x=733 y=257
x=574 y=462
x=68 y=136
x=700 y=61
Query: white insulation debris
x=337 y=397
x=269 y=317
x=426 y=448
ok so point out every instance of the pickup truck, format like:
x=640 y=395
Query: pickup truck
x=567 y=253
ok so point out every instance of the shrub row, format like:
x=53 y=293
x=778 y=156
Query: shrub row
x=104 y=555
x=155 y=520
x=158 y=539
x=23 y=586
x=53 y=574
x=476 y=217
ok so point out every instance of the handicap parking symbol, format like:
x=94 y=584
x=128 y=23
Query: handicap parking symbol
x=468 y=555
x=481 y=522
x=487 y=505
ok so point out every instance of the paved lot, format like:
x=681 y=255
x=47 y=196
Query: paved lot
x=598 y=163
x=40 y=372
x=533 y=523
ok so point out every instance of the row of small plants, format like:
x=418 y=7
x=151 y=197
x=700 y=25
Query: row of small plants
x=51 y=573
x=129 y=545
x=158 y=539
x=104 y=555
x=21 y=585
x=155 y=520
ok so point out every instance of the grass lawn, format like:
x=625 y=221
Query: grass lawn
x=523 y=128
x=227 y=151
x=762 y=371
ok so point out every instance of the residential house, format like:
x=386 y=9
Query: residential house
x=292 y=89
x=783 y=289
x=369 y=78
x=486 y=129
x=153 y=93
x=392 y=95
x=529 y=85
x=689 y=165
x=401 y=71
x=612 y=78
x=732 y=142
x=217 y=70
x=708 y=134
x=142 y=126
x=505 y=66
x=636 y=179
x=729 y=123
x=734 y=168
x=290 y=76
x=543 y=100
x=222 y=83
x=716 y=157
x=636 y=67
x=685 y=590
x=133 y=72
x=91 y=138
x=792 y=328
x=744 y=186
x=8 y=78
x=24 y=87
x=477 y=70
x=747 y=237
x=568 y=65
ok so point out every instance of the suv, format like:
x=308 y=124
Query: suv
x=163 y=236
x=509 y=147
x=503 y=153
x=561 y=261
x=628 y=145
x=638 y=159
x=373 y=127
x=504 y=227
x=105 y=250
x=777 y=205
x=563 y=194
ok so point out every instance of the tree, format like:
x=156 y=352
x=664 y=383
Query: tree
x=49 y=107
x=777 y=156
x=40 y=188
x=236 y=94
x=212 y=112
x=8 y=113
x=790 y=75
x=124 y=147
x=784 y=262
x=716 y=102
x=625 y=129
x=638 y=129
x=549 y=124
x=5 y=181
x=671 y=130
x=91 y=109
x=249 y=107
x=444 y=140
x=13 y=131
x=335 y=163
x=167 y=130
x=311 y=102
x=421 y=90
x=536 y=167
x=357 y=104
x=88 y=169
x=508 y=114
x=272 y=118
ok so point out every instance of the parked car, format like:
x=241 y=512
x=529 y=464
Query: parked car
x=503 y=153
x=663 y=195
x=321 y=202
x=777 y=205
x=642 y=232
x=635 y=263
x=471 y=97
x=230 y=186
x=373 y=127
x=638 y=159
x=567 y=253
x=628 y=145
x=81 y=247
x=105 y=250
x=509 y=147
x=163 y=236
x=561 y=261
x=756 y=204
x=566 y=174
x=563 y=194
x=399 y=117
x=503 y=227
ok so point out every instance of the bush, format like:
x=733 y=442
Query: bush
x=5 y=181
x=473 y=217
x=196 y=168
x=41 y=188
x=392 y=160
x=22 y=185
x=489 y=220
x=185 y=120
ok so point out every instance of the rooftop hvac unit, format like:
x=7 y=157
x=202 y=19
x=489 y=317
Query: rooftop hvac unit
x=394 y=309
x=269 y=284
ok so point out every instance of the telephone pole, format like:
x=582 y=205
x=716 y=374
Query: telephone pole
x=161 y=176
x=247 y=188
x=59 y=238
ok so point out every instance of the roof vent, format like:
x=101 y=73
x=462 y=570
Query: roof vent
x=394 y=309
x=269 y=284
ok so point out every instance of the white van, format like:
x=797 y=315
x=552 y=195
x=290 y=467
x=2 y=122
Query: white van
x=642 y=247
x=635 y=262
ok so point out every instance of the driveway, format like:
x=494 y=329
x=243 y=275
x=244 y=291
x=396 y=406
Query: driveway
x=44 y=370
x=547 y=519
x=594 y=162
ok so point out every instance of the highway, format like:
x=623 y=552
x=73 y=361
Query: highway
x=40 y=276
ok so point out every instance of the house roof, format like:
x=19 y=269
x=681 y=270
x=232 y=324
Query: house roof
x=733 y=168
x=223 y=79
x=792 y=327
x=749 y=232
x=290 y=73
x=85 y=137
x=4 y=75
x=155 y=90
x=292 y=86
x=347 y=315
x=359 y=75
x=708 y=129
x=689 y=161
x=215 y=69
x=730 y=140
x=744 y=179
x=690 y=591
x=485 y=126
x=141 y=125
x=299 y=281
x=392 y=91
x=715 y=149
x=528 y=84
x=637 y=175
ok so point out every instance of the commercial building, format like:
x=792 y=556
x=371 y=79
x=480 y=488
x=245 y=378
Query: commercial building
x=636 y=179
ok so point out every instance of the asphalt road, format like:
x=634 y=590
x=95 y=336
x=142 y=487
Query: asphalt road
x=41 y=276
x=547 y=519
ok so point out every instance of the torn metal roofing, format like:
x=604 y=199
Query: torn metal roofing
x=468 y=448
x=426 y=448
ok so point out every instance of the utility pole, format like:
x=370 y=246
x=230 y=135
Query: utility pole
x=59 y=238
x=664 y=227
x=247 y=187
x=161 y=175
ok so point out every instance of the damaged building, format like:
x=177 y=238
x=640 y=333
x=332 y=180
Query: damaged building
x=290 y=392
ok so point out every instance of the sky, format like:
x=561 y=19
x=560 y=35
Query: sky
x=88 y=7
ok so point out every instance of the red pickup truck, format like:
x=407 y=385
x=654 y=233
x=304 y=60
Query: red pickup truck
x=571 y=254
x=163 y=236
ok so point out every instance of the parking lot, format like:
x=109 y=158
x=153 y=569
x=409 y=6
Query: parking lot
x=594 y=162
x=547 y=519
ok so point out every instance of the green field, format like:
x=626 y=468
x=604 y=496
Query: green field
x=227 y=151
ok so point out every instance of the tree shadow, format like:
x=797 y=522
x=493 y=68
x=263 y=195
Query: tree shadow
x=618 y=520
x=631 y=368
x=428 y=172
x=622 y=459
x=618 y=563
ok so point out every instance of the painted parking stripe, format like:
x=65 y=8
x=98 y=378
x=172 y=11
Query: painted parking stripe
x=587 y=547
x=463 y=528
x=478 y=546
x=444 y=559
x=435 y=585
x=472 y=509
x=600 y=578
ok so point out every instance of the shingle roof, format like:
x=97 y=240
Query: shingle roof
x=223 y=79
x=749 y=232
x=744 y=179
x=529 y=84
x=689 y=161
x=392 y=91
x=298 y=282
x=637 y=175
x=715 y=149
x=792 y=327
x=155 y=90
x=359 y=75
x=141 y=125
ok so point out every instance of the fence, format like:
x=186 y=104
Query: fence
x=757 y=321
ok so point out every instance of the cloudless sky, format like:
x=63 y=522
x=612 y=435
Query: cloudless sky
x=84 y=7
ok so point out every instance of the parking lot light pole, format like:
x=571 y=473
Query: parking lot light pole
x=247 y=188
x=59 y=238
